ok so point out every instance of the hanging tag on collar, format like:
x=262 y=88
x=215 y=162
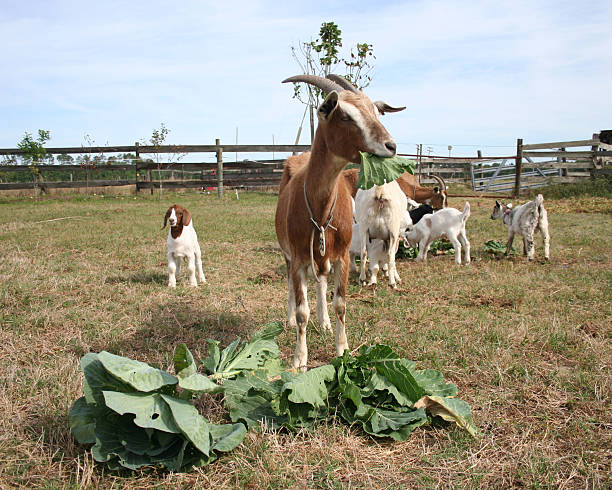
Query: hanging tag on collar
x=322 y=243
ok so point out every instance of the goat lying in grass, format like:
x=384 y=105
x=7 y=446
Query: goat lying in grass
x=449 y=222
x=182 y=244
x=525 y=220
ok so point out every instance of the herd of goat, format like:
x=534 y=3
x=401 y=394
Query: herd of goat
x=323 y=221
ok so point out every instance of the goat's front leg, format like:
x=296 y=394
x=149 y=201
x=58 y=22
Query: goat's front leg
x=424 y=245
x=302 y=314
x=191 y=267
x=509 y=244
x=322 y=314
x=340 y=279
x=172 y=268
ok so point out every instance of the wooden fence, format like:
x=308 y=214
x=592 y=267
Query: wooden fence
x=537 y=164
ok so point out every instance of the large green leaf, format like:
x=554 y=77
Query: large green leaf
x=150 y=410
x=227 y=436
x=183 y=361
x=98 y=379
x=195 y=427
x=137 y=374
x=433 y=383
x=238 y=356
x=395 y=369
x=82 y=421
x=249 y=398
x=377 y=170
x=388 y=423
x=451 y=410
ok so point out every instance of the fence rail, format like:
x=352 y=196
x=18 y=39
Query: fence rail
x=533 y=165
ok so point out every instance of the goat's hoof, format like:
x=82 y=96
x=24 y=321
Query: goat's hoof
x=393 y=286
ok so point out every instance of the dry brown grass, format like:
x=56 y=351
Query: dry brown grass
x=527 y=344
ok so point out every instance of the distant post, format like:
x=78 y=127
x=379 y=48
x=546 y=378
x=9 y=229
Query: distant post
x=219 y=168
x=519 y=167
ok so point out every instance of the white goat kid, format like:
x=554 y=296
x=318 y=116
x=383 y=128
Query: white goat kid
x=182 y=244
x=379 y=212
x=449 y=223
x=525 y=220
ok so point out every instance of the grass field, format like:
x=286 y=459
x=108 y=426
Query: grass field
x=528 y=344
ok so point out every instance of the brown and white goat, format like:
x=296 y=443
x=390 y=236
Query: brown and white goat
x=182 y=245
x=314 y=203
x=436 y=197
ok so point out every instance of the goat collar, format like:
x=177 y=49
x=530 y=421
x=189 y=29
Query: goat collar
x=508 y=214
x=320 y=229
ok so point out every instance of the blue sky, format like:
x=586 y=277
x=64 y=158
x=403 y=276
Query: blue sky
x=473 y=74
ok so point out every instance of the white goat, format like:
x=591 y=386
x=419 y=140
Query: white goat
x=379 y=212
x=449 y=222
x=525 y=220
x=377 y=255
x=182 y=244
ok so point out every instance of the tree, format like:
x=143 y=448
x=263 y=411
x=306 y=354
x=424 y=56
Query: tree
x=322 y=57
x=158 y=138
x=34 y=152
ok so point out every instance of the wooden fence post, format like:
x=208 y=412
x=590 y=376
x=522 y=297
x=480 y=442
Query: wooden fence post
x=595 y=149
x=219 y=168
x=519 y=167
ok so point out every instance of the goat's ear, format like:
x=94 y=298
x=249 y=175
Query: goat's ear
x=497 y=204
x=166 y=217
x=383 y=107
x=328 y=106
x=186 y=217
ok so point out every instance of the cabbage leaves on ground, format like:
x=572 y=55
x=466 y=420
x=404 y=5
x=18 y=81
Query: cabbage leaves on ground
x=136 y=415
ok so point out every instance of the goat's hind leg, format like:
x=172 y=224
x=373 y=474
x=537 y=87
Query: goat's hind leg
x=198 y=261
x=543 y=225
x=465 y=243
x=322 y=314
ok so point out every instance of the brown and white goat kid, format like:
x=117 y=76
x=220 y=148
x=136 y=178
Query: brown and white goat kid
x=182 y=245
x=314 y=217
x=525 y=220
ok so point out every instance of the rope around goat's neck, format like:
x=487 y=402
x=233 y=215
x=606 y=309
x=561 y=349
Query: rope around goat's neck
x=320 y=229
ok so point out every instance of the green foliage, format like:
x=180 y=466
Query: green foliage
x=600 y=186
x=377 y=170
x=322 y=57
x=438 y=247
x=136 y=415
x=496 y=247
x=33 y=149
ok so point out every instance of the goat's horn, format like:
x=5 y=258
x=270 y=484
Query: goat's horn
x=383 y=107
x=323 y=83
x=440 y=181
x=343 y=82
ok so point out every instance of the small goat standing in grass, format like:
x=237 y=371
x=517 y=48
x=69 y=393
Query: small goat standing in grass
x=182 y=245
x=525 y=220
x=448 y=222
